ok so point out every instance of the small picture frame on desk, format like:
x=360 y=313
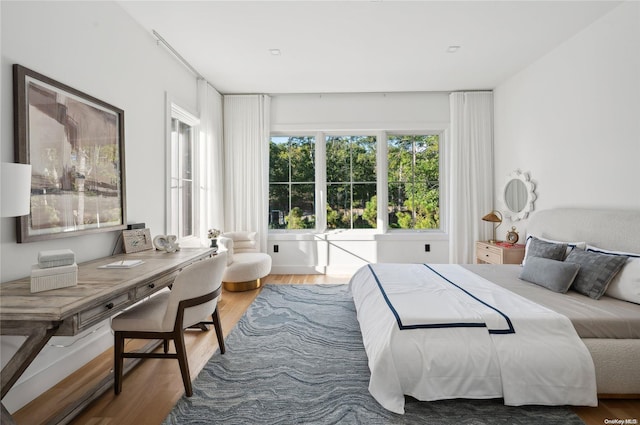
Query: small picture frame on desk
x=136 y=240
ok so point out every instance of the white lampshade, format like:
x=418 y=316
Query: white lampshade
x=16 y=189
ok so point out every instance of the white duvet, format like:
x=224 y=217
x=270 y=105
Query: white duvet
x=440 y=331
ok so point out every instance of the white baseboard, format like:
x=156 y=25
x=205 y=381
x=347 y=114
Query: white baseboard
x=298 y=270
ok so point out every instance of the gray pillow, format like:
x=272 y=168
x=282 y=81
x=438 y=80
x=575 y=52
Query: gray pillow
x=596 y=271
x=551 y=274
x=539 y=248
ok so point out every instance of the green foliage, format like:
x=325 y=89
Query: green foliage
x=370 y=213
x=413 y=176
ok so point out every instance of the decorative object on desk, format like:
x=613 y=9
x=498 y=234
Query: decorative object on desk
x=168 y=243
x=172 y=244
x=75 y=144
x=492 y=217
x=136 y=240
x=16 y=189
x=56 y=258
x=160 y=242
x=213 y=235
x=512 y=235
x=46 y=279
x=518 y=196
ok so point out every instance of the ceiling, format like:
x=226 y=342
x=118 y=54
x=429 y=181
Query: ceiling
x=362 y=46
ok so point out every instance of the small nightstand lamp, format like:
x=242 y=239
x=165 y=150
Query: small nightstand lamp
x=16 y=189
x=492 y=217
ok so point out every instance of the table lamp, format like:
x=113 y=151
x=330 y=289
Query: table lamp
x=492 y=217
x=16 y=189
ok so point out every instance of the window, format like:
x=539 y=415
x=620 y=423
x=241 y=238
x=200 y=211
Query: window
x=183 y=176
x=414 y=181
x=292 y=182
x=345 y=172
x=351 y=182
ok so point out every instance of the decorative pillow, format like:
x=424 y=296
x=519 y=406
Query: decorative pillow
x=228 y=244
x=241 y=236
x=243 y=241
x=570 y=245
x=551 y=274
x=626 y=284
x=596 y=271
x=543 y=249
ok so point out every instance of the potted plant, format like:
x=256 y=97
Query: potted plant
x=213 y=235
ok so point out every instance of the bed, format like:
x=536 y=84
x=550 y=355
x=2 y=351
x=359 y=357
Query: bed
x=478 y=331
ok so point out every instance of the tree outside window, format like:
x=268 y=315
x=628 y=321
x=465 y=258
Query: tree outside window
x=351 y=182
x=292 y=182
x=414 y=181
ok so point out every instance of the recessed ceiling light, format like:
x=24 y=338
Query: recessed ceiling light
x=275 y=52
x=453 y=49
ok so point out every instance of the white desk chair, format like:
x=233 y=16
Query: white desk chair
x=192 y=298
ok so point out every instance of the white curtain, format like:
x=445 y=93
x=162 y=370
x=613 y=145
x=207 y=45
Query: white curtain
x=246 y=149
x=471 y=171
x=211 y=205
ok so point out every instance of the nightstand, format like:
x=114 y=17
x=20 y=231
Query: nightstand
x=499 y=253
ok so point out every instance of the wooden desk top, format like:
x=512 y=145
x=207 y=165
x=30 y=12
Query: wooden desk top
x=100 y=292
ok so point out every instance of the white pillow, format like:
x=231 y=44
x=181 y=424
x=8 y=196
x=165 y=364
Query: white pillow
x=243 y=241
x=570 y=245
x=241 y=236
x=626 y=284
x=227 y=244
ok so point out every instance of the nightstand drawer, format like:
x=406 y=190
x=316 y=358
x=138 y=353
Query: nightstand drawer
x=499 y=253
x=489 y=256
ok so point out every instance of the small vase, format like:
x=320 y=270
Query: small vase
x=214 y=243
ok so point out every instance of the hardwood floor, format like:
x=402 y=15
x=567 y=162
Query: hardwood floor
x=152 y=388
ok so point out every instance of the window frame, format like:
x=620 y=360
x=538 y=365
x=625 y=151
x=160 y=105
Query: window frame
x=291 y=134
x=382 y=230
x=175 y=111
x=355 y=133
x=442 y=185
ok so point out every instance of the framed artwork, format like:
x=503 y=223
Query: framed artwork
x=136 y=240
x=75 y=145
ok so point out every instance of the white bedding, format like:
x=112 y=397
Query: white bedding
x=440 y=331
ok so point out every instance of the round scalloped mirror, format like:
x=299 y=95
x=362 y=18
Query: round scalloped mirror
x=518 y=196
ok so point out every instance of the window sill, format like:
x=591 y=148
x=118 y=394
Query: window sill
x=360 y=235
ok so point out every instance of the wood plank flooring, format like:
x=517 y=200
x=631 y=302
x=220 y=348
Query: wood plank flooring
x=151 y=389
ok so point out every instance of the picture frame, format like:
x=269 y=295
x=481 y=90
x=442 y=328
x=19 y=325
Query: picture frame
x=136 y=240
x=75 y=145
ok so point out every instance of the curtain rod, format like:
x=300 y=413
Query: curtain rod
x=177 y=55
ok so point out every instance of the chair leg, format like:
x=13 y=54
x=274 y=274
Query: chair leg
x=165 y=346
x=182 y=360
x=118 y=362
x=216 y=324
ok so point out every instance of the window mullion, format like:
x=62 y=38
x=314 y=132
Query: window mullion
x=321 y=182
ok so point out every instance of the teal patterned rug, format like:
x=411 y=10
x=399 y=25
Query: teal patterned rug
x=296 y=357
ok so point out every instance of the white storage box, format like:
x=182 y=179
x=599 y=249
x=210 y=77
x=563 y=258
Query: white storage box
x=56 y=258
x=53 y=277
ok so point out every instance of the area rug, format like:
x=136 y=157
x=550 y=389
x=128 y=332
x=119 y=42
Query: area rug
x=296 y=357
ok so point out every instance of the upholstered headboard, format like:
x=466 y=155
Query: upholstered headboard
x=607 y=229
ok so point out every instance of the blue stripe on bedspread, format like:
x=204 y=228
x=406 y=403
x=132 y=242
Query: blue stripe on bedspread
x=509 y=329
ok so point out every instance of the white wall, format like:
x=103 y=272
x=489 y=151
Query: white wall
x=343 y=252
x=97 y=48
x=572 y=119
